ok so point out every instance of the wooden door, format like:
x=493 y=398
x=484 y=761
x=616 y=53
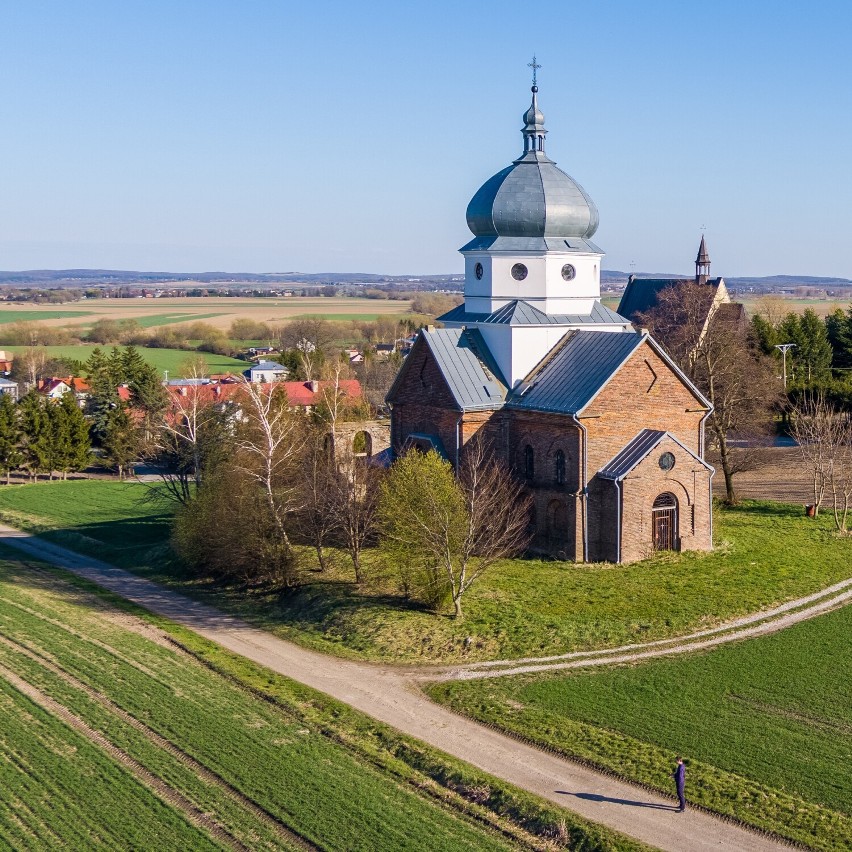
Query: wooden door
x=664 y=522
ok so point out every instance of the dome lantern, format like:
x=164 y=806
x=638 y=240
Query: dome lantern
x=532 y=197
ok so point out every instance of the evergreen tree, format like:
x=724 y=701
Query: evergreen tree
x=11 y=456
x=103 y=394
x=838 y=326
x=36 y=427
x=71 y=443
x=815 y=352
x=121 y=440
x=765 y=334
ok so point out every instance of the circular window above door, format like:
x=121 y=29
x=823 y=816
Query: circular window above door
x=667 y=461
x=519 y=272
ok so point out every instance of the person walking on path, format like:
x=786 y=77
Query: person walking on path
x=679 y=776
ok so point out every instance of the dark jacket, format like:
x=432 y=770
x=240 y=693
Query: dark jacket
x=679 y=775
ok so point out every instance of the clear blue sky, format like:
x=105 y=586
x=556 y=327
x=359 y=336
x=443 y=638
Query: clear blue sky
x=267 y=135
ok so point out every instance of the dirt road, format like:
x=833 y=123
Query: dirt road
x=391 y=695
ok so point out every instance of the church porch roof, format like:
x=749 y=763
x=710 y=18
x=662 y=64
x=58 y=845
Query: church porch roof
x=519 y=312
x=637 y=451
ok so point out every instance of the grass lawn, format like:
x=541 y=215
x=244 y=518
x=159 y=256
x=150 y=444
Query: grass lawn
x=302 y=758
x=521 y=608
x=162 y=359
x=766 y=724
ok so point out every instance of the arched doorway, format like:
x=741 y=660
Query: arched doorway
x=362 y=444
x=664 y=522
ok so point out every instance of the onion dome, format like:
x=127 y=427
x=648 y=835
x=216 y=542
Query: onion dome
x=532 y=197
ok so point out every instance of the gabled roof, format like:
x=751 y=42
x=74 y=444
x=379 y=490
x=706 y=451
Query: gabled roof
x=467 y=367
x=268 y=365
x=638 y=450
x=641 y=294
x=519 y=312
x=573 y=373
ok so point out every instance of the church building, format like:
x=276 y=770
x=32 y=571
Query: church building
x=593 y=416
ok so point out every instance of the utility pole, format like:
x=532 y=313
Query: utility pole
x=784 y=347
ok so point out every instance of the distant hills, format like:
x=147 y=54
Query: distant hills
x=67 y=278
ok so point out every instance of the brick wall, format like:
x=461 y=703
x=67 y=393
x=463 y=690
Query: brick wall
x=644 y=394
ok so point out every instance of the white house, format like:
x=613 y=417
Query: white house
x=266 y=371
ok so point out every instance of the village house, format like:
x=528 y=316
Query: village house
x=266 y=371
x=9 y=387
x=592 y=415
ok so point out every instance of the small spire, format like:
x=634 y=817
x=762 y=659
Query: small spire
x=533 y=129
x=702 y=263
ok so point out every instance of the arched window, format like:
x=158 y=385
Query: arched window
x=559 y=468
x=664 y=522
x=529 y=463
x=362 y=444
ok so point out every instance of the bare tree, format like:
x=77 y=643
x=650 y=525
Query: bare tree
x=824 y=436
x=455 y=528
x=312 y=338
x=315 y=518
x=717 y=354
x=355 y=506
x=190 y=437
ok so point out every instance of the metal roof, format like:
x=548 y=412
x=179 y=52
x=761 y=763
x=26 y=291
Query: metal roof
x=519 y=312
x=267 y=365
x=638 y=450
x=641 y=294
x=573 y=373
x=512 y=245
x=532 y=197
x=466 y=365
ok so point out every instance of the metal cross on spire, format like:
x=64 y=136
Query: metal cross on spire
x=535 y=66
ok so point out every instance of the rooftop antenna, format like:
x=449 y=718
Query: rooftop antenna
x=535 y=66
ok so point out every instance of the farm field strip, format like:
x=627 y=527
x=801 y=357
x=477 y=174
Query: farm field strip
x=256 y=758
x=196 y=769
x=59 y=790
x=160 y=788
x=217 y=311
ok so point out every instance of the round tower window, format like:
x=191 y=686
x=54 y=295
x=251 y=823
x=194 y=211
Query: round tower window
x=519 y=272
x=568 y=272
x=667 y=461
x=477 y=271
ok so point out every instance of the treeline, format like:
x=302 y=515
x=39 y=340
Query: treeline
x=41 y=437
x=821 y=355
x=205 y=337
x=115 y=416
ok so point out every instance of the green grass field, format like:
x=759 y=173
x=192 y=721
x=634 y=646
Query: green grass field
x=8 y=315
x=163 y=359
x=193 y=718
x=766 y=724
x=521 y=608
x=156 y=320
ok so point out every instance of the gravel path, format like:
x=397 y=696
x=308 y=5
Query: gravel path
x=391 y=695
